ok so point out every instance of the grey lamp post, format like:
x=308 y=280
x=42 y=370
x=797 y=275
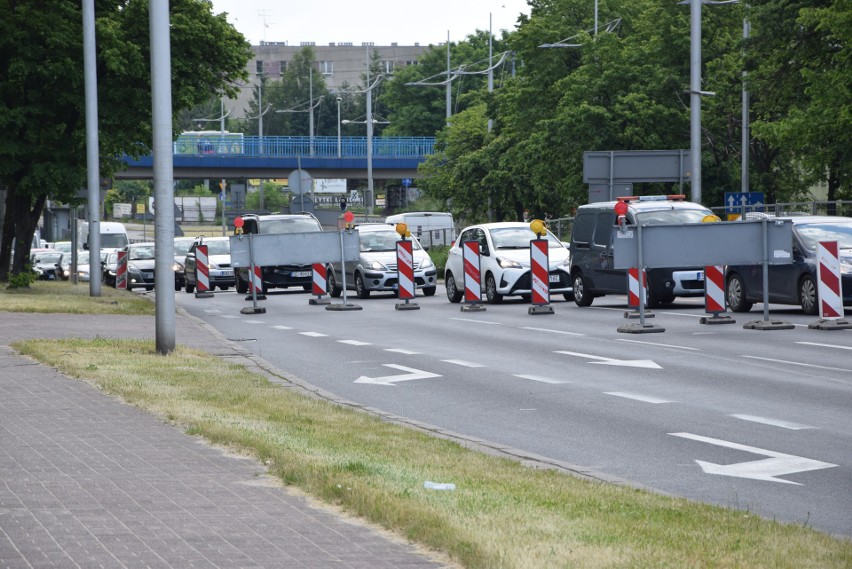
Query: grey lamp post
x=339 y=153
x=370 y=121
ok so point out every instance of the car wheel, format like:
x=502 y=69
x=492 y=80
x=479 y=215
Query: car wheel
x=491 y=293
x=735 y=291
x=429 y=290
x=360 y=287
x=568 y=296
x=808 y=295
x=224 y=287
x=333 y=290
x=178 y=286
x=454 y=295
x=189 y=287
x=242 y=286
x=582 y=296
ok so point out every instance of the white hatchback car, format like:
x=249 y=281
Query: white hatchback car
x=505 y=262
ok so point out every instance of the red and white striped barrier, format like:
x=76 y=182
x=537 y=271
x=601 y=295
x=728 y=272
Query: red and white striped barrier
x=714 y=289
x=715 y=302
x=202 y=272
x=320 y=279
x=633 y=297
x=829 y=289
x=255 y=285
x=540 y=277
x=121 y=271
x=405 y=274
x=472 y=278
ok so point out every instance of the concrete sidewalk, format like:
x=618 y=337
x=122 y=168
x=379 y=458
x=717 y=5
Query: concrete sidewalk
x=87 y=481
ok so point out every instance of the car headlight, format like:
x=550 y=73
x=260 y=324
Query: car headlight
x=374 y=265
x=508 y=263
x=427 y=263
x=177 y=267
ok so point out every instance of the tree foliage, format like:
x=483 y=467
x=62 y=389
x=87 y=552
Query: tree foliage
x=42 y=99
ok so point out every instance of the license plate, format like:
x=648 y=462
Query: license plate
x=221 y=273
x=699 y=276
x=298 y=274
x=554 y=278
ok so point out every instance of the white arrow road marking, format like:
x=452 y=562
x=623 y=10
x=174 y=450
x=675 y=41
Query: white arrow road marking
x=542 y=379
x=773 y=422
x=391 y=379
x=638 y=397
x=647 y=364
x=768 y=469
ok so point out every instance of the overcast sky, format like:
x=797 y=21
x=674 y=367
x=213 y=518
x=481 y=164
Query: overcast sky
x=379 y=21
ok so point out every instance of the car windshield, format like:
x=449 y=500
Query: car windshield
x=48 y=258
x=374 y=241
x=141 y=253
x=672 y=216
x=112 y=258
x=289 y=225
x=519 y=238
x=63 y=246
x=113 y=240
x=218 y=247
x=813 y=233
x=182 y=247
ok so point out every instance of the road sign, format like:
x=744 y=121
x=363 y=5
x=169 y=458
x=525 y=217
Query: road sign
x=406 y=182
x=735 y=201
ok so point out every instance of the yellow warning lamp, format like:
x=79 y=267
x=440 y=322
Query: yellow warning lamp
x=403 y=231
x=710 y=219
x=538 y=227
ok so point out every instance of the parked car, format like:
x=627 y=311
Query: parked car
x=46 y=263
x=592 y=262
x=795 y=283
x=376 y=268
x=219 y=269
x=505 y=262
x=279 y=276
x=182 y=245
x=140 y=266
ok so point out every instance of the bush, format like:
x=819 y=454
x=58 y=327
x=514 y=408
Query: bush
x=23 y=279
x=439 y=255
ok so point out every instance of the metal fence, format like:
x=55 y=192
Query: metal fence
x=294 y=146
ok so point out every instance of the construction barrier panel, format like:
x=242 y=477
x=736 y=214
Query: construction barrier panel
x=405 y=269
x=320 y=280
x=202 y=272
x=540 y=263
x=633 y=298
x=714 y=289
x=472 y=278
x=829 y=289
x=256 y=284
x=121 y=271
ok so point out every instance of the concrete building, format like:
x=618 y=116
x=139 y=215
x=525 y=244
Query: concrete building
x=339 y=63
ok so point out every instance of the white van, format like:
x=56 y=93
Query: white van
x=430 y=227
x=113 y=235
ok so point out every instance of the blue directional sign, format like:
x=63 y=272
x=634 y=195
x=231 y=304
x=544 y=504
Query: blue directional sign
x=406 y=182
x=734 y=201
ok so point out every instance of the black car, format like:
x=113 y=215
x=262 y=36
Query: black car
x=108 y=268
x=279 y=276
x=140 y=266
x=795 y=283
x=47 y=263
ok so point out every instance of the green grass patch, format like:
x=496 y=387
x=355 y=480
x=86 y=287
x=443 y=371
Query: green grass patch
x=501 y=515
x=65 y=297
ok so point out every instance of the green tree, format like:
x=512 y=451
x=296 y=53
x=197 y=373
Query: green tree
x=42 y=95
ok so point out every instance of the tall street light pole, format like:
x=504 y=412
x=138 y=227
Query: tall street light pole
x=339 y=152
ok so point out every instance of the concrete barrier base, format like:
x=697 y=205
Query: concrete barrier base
x=831 y=324
x=636 y=328
x=206 y=294
x=318 y=301
x=635 y=314
x=342 y=307
x=716 y=319
x=768 y=325
x=253 y=310
x=407 y=306
x=541 y=309
x=475 y=307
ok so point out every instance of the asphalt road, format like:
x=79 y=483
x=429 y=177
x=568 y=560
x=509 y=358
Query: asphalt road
x=755 y=420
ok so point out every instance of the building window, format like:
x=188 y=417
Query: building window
x=387 y=67
x=258 y=67
x=282 y=67
x=326 y=67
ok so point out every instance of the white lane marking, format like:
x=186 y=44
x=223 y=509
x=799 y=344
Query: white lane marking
x=647 y=364
x=212 y=311
x=478 y=321
x=282 y=327
x=353 y=342
x=463 y=363
x=255 y=322
x=773 y=360
x=825 y=345
x=779 y=464
x=541 y=378
x=390 y=379
x=228 y=316
x=638 y=397
x=656 y=344
x=313 y=334
x=773 y=422
x=403 y=351
x=548 y=330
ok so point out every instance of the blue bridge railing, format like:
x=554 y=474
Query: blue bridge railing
x=231 y=144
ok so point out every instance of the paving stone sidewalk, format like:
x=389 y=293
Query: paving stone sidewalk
x=87 y=481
